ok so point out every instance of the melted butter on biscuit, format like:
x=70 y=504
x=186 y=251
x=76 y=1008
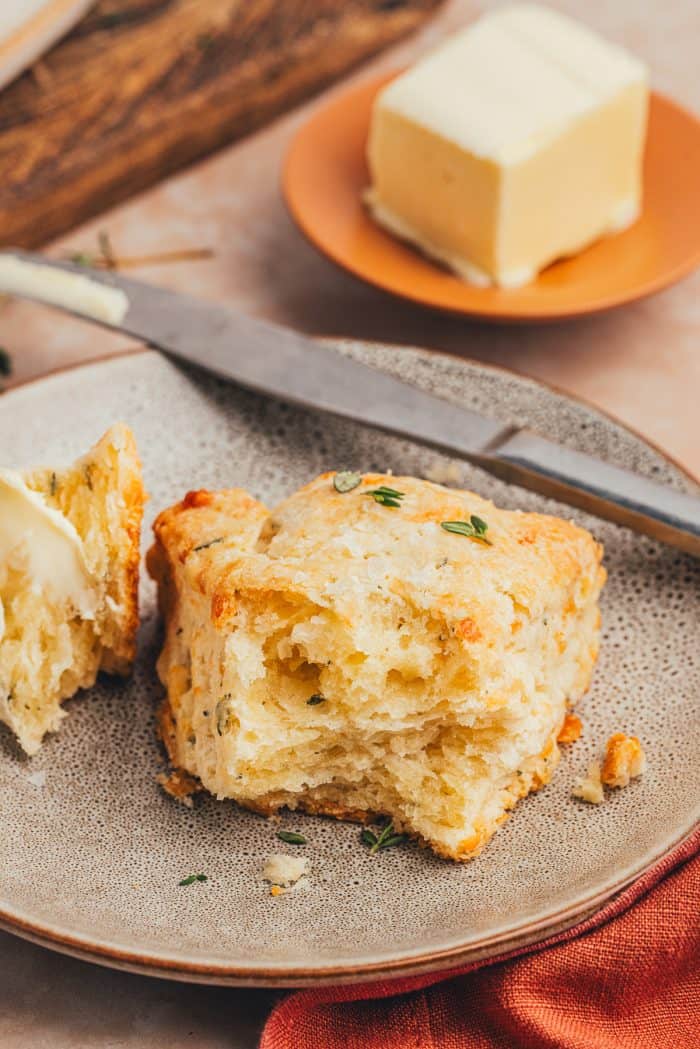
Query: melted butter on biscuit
x=40 y=549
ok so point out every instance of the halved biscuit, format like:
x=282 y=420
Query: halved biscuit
x=69 y=569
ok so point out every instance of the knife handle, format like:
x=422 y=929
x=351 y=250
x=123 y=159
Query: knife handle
x=617 y=495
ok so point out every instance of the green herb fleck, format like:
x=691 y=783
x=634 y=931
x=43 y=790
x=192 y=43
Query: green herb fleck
x=386 y=838
x=291 y=837
x=204 y=546
x=191 y=878
x=5 y=362
x=313 y=701
x=81 y=258
x=53 y=484
x=386 y=496
x=346 y=480
x=474 y=528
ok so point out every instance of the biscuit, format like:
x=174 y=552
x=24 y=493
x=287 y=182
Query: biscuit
x=346 y=654
x=88 y=519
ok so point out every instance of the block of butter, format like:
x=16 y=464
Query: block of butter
x=517 y=142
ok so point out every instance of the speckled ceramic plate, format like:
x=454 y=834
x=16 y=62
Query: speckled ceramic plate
x=91 y=857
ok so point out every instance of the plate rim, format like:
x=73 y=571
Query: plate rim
x=373 y=279
x=488 y=947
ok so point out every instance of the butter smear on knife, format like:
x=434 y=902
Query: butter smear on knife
x=70 y=291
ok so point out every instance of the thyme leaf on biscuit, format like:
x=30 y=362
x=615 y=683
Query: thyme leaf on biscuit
x=386 y=496
x=346 y=480
x=314 y=700
x=474 y=528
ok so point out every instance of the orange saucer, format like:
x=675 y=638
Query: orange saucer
x=325 y=174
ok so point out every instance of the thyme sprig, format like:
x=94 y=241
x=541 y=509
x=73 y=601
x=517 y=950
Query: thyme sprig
x=474 y=528
x=191 y=878
x=386 y=496
x=106 y=258
x=385 y=839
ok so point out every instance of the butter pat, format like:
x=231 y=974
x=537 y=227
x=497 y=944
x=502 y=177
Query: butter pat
x=40 y=549
x=516 y=143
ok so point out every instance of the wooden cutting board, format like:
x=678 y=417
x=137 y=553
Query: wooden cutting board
x=142 y=87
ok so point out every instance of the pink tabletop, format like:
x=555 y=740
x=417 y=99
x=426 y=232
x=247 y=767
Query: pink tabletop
x=641 y=363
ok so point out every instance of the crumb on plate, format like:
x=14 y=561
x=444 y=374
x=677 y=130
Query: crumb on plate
x=179 y=785
x=590 y=788
x=281 y=869
x=286 y=873
x=624 y=760
x=570 y=729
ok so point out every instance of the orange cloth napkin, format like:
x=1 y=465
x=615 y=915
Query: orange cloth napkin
x=626 y=978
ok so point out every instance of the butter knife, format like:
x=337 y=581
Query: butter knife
x=284 y=364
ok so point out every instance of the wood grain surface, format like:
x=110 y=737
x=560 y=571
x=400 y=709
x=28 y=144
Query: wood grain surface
x=142 y=87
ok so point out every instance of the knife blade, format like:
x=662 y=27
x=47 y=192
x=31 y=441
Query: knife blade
x=282 y=363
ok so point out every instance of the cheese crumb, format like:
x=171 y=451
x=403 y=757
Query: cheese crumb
x=299 y=886
x=179 y=785
x=624 y=760
x=570 y=729
x=37 y=779
x=283 y=870
x=590 y=788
